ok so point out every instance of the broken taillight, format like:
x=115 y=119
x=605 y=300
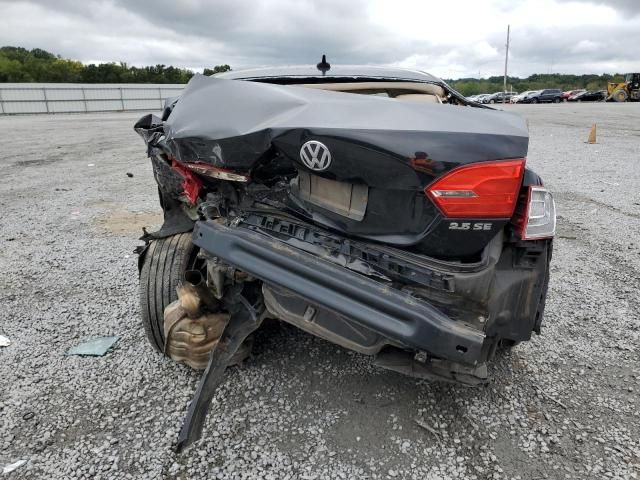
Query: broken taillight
x=479 y=190
x=535 y=217
x=212 y=171
x=191 y=185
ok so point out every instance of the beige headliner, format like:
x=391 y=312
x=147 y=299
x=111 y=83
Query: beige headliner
x=427 y=88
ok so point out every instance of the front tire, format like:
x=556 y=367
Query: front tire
x=164 y=265
x=535 y=100
x=620 y=96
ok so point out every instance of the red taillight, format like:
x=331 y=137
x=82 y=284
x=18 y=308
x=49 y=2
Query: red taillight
x=479 y=190
x=191 y=186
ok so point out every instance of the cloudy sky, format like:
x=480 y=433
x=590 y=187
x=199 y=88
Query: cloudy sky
x=451 y=39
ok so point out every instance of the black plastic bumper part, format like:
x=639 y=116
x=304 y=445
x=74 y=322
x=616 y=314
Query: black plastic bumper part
x=390 y=312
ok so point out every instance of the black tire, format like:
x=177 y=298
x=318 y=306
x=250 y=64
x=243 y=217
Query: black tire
x=164 y=265
x=492 y=101
x=556 y=100
x=535 y=100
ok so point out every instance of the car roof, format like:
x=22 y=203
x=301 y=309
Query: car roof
x=336 y=71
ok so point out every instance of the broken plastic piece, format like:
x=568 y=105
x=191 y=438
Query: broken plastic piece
x=191 y=185
x=13 y=466
x=95 y=348
x=4 y=341
x=243 y=321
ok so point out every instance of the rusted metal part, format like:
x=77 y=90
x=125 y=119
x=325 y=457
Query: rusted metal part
x=190 y=340
x=197 y=283
x=190 y=333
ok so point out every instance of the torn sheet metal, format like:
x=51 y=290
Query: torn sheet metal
x=96 y=347
x=383 y=152
x=235 y=123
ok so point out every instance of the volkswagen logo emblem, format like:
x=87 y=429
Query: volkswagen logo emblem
x=315 y=155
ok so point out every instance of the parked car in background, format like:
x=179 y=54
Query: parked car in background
x=548 y=95
x=482 y=97
x=569 y=93
x=599 y=96
x=521 y=96
x=498 y=97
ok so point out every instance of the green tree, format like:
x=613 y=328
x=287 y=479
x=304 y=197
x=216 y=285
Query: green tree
x=18 y=64
x=216 y=69
x=12 y=71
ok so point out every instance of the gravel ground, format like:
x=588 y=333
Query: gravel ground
x=564 y=405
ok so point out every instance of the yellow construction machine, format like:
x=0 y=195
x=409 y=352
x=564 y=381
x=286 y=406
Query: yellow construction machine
x=629 y=90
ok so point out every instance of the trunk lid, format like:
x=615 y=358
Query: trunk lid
x=354 y=163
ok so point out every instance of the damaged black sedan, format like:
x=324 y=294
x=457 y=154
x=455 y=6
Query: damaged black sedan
x=376 y=208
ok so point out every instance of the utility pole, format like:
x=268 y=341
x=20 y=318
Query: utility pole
x=506 y=61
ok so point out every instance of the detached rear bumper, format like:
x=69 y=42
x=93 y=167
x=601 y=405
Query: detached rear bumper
x=393 y=314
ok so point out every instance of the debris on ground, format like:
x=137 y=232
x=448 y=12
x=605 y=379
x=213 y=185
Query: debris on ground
x=13 y=466
x=4 y=341
x=96 y=347
x=421 y=423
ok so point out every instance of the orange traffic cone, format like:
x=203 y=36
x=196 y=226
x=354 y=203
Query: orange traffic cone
x=592 y=135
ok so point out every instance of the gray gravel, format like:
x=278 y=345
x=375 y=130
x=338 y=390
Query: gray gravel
x=564 y=405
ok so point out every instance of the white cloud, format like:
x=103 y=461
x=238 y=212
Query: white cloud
x=586 y=46
x=456 y=39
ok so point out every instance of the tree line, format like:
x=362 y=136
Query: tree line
x=538 y=81
x=18 y=64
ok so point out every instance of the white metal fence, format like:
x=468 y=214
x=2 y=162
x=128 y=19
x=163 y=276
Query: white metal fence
x=20 y=98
